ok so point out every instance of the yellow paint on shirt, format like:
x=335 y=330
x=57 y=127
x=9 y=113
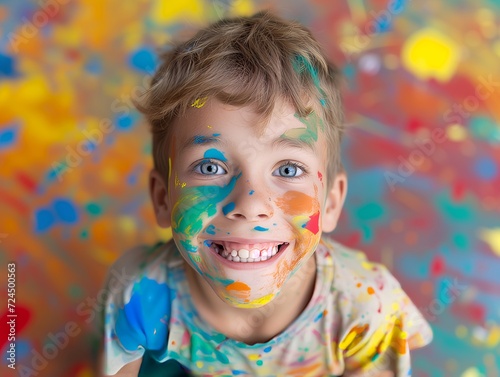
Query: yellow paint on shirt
x=492 y=238
x=430 y=54
x=253 y=357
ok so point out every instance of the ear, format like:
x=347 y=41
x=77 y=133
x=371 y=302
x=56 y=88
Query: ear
x=334 y=202
x=159 y=196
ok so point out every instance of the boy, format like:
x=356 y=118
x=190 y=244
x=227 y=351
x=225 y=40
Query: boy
x=247 y=123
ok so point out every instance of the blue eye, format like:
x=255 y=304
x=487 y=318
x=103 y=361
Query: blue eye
x=209 y=168
x=289 y=170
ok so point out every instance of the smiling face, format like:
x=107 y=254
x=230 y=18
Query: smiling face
x=247 y=208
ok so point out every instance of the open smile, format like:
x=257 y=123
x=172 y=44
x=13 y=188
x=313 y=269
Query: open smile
x=247 y=253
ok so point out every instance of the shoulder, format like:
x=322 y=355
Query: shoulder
x=371 y=305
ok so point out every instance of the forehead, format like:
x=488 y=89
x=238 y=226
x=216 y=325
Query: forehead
x=216 y=123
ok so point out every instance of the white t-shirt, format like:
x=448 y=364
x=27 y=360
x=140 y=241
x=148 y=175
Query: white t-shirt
x=358 y=322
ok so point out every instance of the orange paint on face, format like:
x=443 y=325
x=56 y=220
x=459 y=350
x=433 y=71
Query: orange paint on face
x=297 y=203
x=239 y=290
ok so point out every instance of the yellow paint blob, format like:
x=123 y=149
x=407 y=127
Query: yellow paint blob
x=472 y=372
x=430 y=54
x=253 y=357
x=166 y=12
x=199 y=102
x=492 y=238
x=456 y=132
x=242 y=8
x=199 y=364
x=461 y=331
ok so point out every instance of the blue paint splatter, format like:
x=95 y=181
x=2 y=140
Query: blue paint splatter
x=94 y=65
x=210 y=229
x=215 y=135
x=8 y=136
x=44 y=219
x=261 y=229
x=215 y=153
x=126 y=121
x=486 y=168
x=228 y=208
x=268 y=349
x=65 y=210
x=143 y=60
x=7 y=66
x=251 y=192
x=200 y=139
x=142 y=322
x=237 y=372
x=318 y=317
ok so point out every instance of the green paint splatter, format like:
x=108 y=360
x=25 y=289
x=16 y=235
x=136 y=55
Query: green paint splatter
x=461 y=241
x=301 y=64
x=84 y=234
x=484 y=128
x=94 y=209
x=370 y=211
x=461 y=212
x=308 y=134
x=195 y=204
x=259 y=362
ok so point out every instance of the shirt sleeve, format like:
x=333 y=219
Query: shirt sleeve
x=137 y=309
x=382 y=325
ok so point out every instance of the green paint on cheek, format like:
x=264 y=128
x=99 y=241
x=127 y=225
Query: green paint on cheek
x=197 y=203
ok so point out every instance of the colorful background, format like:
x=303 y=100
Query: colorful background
x=422 y=153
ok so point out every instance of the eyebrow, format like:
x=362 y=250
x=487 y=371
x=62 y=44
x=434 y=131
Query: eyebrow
x=201 y=140
x=295 y=143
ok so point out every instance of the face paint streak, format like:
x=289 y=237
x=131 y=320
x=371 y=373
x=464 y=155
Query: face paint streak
x=178 y=183
x=228 y=208
x=239 y=290
x=320 y=176
x=210 y=230
x=216 y=154
x=199 y=102
x=196 y=202
x=313 y=223
x=300 y=63
x=200 y=139
x=261 y=229
x=297 y=203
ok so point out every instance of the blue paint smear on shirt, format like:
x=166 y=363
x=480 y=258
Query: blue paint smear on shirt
x=215 y=153
x=261 y=229
x=228 y=208
x=142 y=322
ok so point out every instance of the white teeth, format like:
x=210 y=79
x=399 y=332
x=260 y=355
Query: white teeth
x=243 y=253
x=246 y=256
x=255 y=253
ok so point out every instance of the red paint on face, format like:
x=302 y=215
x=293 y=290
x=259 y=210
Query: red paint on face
x=313 y=223
x=320 y=176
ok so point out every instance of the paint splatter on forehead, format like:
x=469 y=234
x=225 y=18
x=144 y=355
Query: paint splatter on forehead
x=303 y=65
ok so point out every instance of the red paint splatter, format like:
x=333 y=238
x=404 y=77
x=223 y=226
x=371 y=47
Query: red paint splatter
x=437 y=266
x=320 y=176
x=313 y=223
x=414 y=124
x=26 y=181
x=22 y=319
x=458 y=191
x=6 y=197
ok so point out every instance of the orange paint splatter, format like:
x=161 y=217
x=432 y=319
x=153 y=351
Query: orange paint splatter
x=370 y=290
x=239 y=290
x=358 y=285
x=297 y=203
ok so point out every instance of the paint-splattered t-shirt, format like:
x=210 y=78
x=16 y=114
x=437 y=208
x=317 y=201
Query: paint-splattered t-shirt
x=357 y=323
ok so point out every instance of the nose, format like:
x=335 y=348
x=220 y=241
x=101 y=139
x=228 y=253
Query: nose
x=249 y=205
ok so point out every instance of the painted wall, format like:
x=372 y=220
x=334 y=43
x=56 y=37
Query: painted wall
x=422 y=153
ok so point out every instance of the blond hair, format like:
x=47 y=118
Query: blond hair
x=256 y=60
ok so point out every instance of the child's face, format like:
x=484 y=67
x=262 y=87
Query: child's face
x=233 y=187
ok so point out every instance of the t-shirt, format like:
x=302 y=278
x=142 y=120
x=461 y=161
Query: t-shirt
x=358 y=322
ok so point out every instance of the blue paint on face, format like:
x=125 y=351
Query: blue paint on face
x=187 y=245
x=215 y=154
x=228 y=208
x=200 y=139
x=261 y=229
x=251 y=192
x=142 y=322
x=210 y=229
x=215 y=135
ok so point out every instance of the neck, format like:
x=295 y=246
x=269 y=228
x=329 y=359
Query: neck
x=256 y=325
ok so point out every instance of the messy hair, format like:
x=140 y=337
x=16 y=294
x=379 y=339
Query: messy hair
x=257 y=60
